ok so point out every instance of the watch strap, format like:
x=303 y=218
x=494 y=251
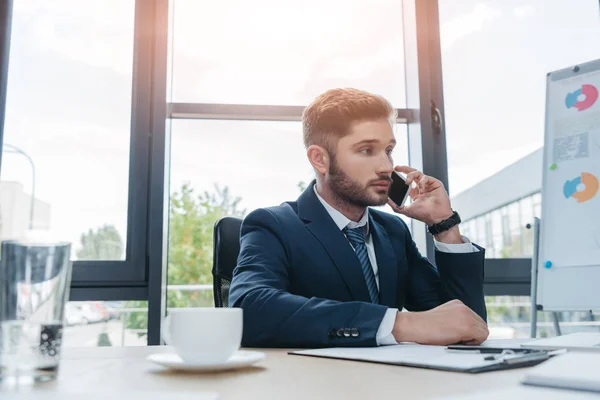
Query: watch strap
x=444 y=225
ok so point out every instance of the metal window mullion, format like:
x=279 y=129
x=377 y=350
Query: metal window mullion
x=6 y=7
x=133 y=268
x=249 y=112
x=158 y=174
x=422 y=55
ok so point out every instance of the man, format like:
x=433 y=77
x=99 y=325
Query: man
x=327 y=271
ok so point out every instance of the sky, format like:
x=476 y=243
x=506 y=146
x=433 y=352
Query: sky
x=495 y=57
x=69 y=90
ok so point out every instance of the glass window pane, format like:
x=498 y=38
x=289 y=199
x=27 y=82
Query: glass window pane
x=240 y=156
x=228 y=167
x=537 y=205
x=505 y=229
x=106 y=323
x=481 y=231
x=472 y=230
x=221 y=168
x=495 y=57
x=475 y=230
x=286 y=53
x=510 y=317
x=514 y=220
x=488 y=227
x=496 y=234
x=465 y=230
x=526 y=206
x=496 y=223
x=67 y=128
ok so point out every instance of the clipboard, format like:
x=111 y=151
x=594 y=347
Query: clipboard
x=473 y=360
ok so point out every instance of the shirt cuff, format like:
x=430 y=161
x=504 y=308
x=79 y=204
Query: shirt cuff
x=466 y=247
x=384 y=333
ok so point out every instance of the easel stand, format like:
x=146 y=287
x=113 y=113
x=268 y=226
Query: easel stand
x=534 y=275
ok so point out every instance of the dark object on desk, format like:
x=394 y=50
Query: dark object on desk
x=226 y=248
x=490 y=350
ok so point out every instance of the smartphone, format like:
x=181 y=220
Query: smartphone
x=399 y=189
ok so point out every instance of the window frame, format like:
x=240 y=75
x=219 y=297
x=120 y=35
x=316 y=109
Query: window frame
x=142 y=276
x=121 y=279
x=131 y=271
x=511 y=276
x=6 y=8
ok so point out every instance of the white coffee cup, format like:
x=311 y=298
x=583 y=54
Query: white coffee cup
x=204 y=335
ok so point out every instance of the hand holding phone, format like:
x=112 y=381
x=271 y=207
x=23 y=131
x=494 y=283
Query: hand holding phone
x=429 y=204
x=399 y=190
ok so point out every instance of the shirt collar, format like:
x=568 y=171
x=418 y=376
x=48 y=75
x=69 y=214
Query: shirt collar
x=341 y=220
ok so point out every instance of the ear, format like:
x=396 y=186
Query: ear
x=319 y=158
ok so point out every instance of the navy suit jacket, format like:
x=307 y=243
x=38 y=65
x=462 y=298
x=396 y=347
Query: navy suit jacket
x=300 y=283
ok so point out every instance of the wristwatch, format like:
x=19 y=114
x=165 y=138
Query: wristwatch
x=444 y=225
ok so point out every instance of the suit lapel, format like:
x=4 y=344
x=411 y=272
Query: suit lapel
x=319 y=223
x=387 y=264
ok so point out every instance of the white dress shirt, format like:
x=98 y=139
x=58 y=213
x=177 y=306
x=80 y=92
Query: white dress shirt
x=384 y=333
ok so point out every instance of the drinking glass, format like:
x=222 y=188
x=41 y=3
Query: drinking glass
x=34 y=288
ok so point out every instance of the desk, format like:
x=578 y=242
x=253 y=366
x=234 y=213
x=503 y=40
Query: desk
x=279 y=376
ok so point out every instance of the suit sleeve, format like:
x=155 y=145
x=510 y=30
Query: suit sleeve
x=457 y=276
x=274 y=317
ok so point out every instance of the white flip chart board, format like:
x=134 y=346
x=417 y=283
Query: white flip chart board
x=569 y=252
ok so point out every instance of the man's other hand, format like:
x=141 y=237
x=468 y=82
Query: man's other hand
x=449 y=323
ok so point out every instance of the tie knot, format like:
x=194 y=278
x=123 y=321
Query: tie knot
x=356 y=236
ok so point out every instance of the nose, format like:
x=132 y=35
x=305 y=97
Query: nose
x=385 y=165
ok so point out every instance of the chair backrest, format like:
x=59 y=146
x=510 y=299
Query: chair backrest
x=226 y=244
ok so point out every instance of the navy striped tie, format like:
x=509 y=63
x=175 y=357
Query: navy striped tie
x=357 y=239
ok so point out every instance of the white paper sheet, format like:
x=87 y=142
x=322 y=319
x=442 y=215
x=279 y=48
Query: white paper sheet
x=523 y=392
x=25 y=394
x=578 y=370
x=505 y=343
x=588 y=341
x=407 y=354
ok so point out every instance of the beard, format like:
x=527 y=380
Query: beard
x=352 y=192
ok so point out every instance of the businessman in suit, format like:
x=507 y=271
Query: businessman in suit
x=327 y=270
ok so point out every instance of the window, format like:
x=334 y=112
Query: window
x=67 y=130
x=526 y=207
x=537 y=205
x=285 y=53
x=488 y=232
x=231 y=56
x=481 y=232
x=263 y=163
x=495 y=57
x=105 y=324
x=497 y=238
x=80 y=132
x=514 y=222
x=470 y=229
x=505 y=227
x=510 y=317
x=76 y=146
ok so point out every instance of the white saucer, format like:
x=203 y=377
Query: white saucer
x=239 y=359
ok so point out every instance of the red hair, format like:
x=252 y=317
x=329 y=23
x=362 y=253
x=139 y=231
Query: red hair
x=329 y=116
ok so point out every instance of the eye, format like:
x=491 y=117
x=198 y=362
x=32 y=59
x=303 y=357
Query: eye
x=366 y=150
x=389 y=152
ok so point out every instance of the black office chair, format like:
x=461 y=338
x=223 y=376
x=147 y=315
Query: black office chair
x=226 y=248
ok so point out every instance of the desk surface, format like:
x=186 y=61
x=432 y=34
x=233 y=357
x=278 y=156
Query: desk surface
x=279 y=376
